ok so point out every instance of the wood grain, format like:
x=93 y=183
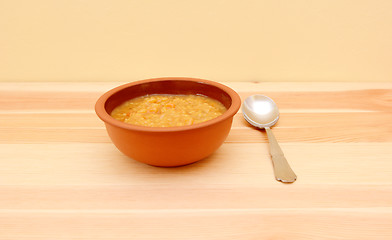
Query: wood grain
x=297 y=127
x=200 y=224
x=62 y=178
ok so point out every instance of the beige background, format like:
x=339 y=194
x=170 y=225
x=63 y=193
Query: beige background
x=248 y=40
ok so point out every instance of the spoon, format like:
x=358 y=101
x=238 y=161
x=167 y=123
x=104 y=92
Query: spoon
x=262 y=112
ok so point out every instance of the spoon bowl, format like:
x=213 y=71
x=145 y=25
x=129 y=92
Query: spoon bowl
x=262 y=112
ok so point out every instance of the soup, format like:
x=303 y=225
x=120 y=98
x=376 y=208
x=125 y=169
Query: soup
x=163 y=110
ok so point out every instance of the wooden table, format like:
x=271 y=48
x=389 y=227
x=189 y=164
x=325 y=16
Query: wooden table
x=62 y=178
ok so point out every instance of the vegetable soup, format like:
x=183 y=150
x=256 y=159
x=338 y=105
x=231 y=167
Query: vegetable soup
x=164 y=110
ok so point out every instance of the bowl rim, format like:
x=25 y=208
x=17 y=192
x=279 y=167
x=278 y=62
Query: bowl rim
x=105 y=116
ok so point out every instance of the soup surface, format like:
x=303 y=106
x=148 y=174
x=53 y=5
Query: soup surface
x=161 y=110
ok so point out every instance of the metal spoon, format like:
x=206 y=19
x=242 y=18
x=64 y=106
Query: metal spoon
x=262 y=112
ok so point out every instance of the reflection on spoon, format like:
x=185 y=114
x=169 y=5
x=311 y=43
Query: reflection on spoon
x=262 y=112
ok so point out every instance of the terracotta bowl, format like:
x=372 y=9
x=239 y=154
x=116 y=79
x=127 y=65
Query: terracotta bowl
x=168 y=146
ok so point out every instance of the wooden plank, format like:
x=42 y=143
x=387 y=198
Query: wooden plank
x=287 y=120
x=292 y=127
x=308 y=223
x=134 y=196
x=370 y=100
x=238 y=86
x=84 y=164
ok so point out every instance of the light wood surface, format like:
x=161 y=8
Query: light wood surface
x=61 y=177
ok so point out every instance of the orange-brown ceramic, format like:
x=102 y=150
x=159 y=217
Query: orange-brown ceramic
x=168 y=146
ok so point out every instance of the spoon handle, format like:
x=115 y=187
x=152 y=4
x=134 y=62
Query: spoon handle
x=282 y=169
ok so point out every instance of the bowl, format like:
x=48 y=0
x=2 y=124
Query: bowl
x=168 y=146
